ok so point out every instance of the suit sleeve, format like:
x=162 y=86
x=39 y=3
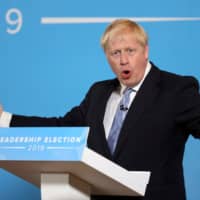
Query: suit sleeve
x=75 y=117
x=188 y=106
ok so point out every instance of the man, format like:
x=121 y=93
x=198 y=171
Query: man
x=159 y=113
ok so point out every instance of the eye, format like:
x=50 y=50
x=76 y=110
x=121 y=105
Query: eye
x=130 y=51
x=115 y=53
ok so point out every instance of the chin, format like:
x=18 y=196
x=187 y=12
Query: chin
x=129 y=83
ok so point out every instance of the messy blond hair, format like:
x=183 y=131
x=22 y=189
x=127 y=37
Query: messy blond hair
x=124 y=26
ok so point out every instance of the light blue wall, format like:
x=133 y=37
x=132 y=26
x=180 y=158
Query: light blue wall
x=47 y=69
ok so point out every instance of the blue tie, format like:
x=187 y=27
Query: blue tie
x=121 y=112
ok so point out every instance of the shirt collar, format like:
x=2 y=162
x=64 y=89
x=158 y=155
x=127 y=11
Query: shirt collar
x=137 y=87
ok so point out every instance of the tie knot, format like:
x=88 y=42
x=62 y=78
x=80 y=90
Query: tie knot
x=128 y=91
x=124 y=103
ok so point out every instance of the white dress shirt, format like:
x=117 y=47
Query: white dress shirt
x=111 y=106
x=114 y=100
x=5 y=119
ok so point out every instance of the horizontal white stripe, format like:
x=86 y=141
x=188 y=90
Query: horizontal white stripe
x=9 y=147
x=62 y=148
x=82 y=20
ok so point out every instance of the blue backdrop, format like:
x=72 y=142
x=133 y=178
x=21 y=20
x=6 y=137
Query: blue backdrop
x=46 y=68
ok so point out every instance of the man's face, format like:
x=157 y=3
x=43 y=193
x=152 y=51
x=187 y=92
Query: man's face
x=127 y=58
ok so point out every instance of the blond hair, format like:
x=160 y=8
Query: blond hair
x=124 y=26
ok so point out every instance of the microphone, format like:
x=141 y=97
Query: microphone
x=123 y=108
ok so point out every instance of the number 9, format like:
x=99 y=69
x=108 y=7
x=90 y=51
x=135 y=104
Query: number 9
x=17 y=23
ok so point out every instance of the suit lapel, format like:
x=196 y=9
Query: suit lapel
x=106 y=92
x=143 y=100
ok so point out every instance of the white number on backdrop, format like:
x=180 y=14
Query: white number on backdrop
x=15 y=20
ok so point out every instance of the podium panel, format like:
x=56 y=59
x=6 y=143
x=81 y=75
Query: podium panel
x=59 y=158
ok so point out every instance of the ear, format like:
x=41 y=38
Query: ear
x=146 y=52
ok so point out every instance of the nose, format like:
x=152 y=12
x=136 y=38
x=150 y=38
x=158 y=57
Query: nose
x=123 y=58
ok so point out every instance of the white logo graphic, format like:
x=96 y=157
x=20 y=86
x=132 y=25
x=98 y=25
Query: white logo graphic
x=89 y=20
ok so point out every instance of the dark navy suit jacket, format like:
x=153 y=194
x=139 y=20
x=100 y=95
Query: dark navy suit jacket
x=164 y=112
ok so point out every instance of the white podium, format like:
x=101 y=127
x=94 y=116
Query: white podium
x=58 y=161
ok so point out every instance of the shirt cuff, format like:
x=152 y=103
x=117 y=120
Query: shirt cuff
x=5 y=119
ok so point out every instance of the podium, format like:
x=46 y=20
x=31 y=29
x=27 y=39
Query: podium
x=59 y=162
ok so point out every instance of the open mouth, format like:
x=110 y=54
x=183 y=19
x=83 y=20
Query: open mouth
x=126 y=74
